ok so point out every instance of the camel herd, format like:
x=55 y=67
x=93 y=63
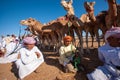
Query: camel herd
x=54 y=31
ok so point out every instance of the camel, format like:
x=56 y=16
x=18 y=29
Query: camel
x=91 y=21
x=58 y=27
x=112 y=14
x=96 y=22
x=62 y=26
x=35 y=27
x=113 y=17
x=76 y=23
x=118 y=15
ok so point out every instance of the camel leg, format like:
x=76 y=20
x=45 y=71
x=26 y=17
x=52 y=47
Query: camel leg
x=59 y=39
x=79 y=34
x=97 y=36
x=92 y=40
x=49 y=42
x=92 y=36
x=88 y=51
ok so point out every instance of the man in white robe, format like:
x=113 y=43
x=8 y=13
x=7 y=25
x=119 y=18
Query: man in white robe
x=10 y=53
x=66 y=54
x=30 y=58
x=109 y=54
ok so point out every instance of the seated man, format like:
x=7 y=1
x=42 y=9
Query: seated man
x=66 y=54
x=29 y=59
x=109 y=54
x=9 y=52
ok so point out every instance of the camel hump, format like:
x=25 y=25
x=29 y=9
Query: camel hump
x=62 y=18
x=101 y=16
x=84 y=18
x=47 y=30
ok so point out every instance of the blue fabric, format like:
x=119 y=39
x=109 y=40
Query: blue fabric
x=110 y=56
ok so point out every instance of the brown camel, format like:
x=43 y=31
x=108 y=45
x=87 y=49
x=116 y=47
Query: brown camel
x=58 y=27
x=76 y=23
x=113 y=17
x=96 y=22
x=118 y=15
x=35 y=27
x=112 y=14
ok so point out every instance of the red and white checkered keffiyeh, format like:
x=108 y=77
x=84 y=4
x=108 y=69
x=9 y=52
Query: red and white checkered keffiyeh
x=113 y=31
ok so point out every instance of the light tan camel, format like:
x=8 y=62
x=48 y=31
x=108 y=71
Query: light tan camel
x=118 y=15
x=35 y=27
x=112 y=14
x=76 y=23
x=59 y=28
x=68 y=7
x=113 y=17
x=96 y=22
x=60 y=25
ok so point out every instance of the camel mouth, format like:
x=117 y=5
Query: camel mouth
x=22 y=22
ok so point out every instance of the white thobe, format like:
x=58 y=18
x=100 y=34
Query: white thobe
x=66 y=54
x=8 y=57
x=28 y=61
x=110 y=56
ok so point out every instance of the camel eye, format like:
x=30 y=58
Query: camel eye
x=33 y=20
x=29 y=21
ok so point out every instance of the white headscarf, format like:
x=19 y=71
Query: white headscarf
x=112 y=31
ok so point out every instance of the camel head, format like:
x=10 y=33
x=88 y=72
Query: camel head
x=33 y=25
x=64 y=3
x=28 y=22
x=89 y=6
x=112 y=1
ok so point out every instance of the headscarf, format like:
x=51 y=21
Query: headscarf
x=67 y=38
x=29 y=40
x=113 y=31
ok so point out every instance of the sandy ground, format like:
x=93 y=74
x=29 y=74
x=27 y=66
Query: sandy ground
x=51 y=69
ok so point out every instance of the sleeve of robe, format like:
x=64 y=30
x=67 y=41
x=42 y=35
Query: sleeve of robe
x=100 y=54
x=62 y=55
x=26 y=59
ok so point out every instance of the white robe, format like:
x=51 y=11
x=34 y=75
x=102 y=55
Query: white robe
x=111 y=58
x=28 y=61
x=66 y=54
x=7 y=58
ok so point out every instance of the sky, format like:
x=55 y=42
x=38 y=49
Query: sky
x=13 y=11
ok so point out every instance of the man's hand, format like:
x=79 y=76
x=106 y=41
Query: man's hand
x=19 y=56
x=38 y=54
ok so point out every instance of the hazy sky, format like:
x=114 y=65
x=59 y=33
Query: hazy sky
x=12 y=11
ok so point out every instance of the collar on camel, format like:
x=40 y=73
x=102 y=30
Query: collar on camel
x=88 y=10
x=63 y=18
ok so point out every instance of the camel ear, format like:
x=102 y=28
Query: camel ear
x=93 y=3
x=86 y=3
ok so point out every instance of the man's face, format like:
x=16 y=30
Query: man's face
x=67 y=42
x=29 y=46
x=114 y=41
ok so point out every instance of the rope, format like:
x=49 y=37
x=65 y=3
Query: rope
x=68 y=27
x=19 y=33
